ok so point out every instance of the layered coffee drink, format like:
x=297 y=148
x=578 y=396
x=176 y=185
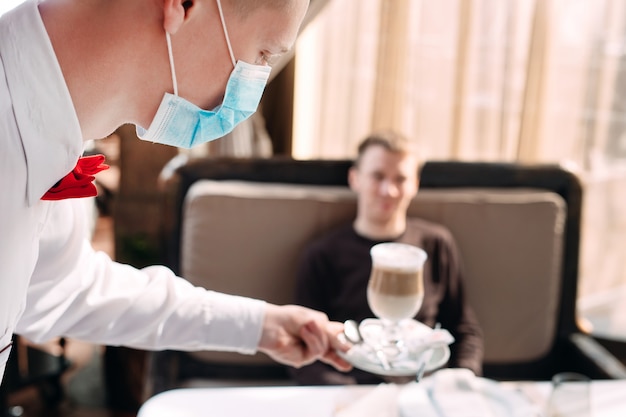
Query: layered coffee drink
x=396 y=287
x=395 y=294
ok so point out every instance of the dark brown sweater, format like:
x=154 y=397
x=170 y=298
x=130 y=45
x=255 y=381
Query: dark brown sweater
x=333 y=275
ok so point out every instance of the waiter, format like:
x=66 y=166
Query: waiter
x=184 y=72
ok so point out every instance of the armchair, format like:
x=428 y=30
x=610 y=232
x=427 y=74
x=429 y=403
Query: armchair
x=237 y=226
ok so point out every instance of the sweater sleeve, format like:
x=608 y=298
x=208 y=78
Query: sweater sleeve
x=311 y=276
x=455 y=314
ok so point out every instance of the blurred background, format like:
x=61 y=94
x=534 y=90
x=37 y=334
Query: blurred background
x=483 y=80
x=528 y=81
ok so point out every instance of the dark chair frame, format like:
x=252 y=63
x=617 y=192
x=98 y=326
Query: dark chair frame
x=572 y=350
x=29 y=365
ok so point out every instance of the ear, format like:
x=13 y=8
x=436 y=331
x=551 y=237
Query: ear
x=413 y=192
x=353 y=181
x=174 y=13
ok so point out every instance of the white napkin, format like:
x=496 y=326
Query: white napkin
x=449 y=392
x=391 y=400
x=455 y=393
x=382 y=401
x=414 y=401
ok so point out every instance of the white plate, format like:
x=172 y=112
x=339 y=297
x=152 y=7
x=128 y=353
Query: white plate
x=413 y=335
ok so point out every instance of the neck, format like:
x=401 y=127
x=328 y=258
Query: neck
x=389 y=229
x=103 y=51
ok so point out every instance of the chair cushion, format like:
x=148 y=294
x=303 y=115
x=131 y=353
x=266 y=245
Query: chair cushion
x=245 y=238
x=511 y=244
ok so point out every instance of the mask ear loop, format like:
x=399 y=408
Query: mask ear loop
x=171 y=57
x=230 y=49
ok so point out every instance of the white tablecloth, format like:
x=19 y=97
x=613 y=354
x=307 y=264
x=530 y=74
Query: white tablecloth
x=608 y=399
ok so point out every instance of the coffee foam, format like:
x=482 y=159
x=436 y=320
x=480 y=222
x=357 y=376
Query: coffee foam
x=398 y=256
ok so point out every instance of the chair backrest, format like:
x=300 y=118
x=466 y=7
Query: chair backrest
x=243 y=223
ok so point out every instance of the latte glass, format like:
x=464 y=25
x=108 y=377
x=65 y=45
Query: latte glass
x=396 y=286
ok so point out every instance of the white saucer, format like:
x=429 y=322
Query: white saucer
x=413 y=335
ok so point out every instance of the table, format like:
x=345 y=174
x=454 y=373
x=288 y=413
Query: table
x=608 y=400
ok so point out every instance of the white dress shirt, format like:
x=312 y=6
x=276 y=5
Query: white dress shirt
x=52 y=283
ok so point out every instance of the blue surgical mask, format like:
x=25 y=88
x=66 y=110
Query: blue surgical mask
x=181 y=123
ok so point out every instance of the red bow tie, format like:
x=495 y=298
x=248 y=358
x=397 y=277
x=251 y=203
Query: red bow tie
x=79 y=182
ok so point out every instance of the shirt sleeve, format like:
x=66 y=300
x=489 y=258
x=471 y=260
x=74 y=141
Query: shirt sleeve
x=80 y=293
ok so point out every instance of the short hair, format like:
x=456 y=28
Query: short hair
x=390 y=140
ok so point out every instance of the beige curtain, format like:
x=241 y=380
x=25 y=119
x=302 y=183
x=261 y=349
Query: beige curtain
x=469 y=79
x=493 y=80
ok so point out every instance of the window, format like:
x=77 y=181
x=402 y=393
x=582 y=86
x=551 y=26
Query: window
x=518 y=80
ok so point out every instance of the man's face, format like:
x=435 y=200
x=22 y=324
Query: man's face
x=267 y=33
x=385 y=183
x=260 y=37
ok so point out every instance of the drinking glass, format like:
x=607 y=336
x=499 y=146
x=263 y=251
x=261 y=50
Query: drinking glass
x=396 y=286
x=570 y=396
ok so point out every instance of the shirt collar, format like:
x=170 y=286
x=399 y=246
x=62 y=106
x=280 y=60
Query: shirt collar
x=44 y=111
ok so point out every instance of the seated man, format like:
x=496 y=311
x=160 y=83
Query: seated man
x=334 y=270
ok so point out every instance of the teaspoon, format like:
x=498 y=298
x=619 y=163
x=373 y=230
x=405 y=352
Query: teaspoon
x=353 y=334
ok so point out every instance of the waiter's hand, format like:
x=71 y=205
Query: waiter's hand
x=297 y=336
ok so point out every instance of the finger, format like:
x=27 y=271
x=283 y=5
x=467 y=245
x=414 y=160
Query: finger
x=313 y=337
x=332 y=358
x=336 y=339
x=320 y=331
x=337 y=343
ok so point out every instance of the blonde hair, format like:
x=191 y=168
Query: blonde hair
x=390 y=140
